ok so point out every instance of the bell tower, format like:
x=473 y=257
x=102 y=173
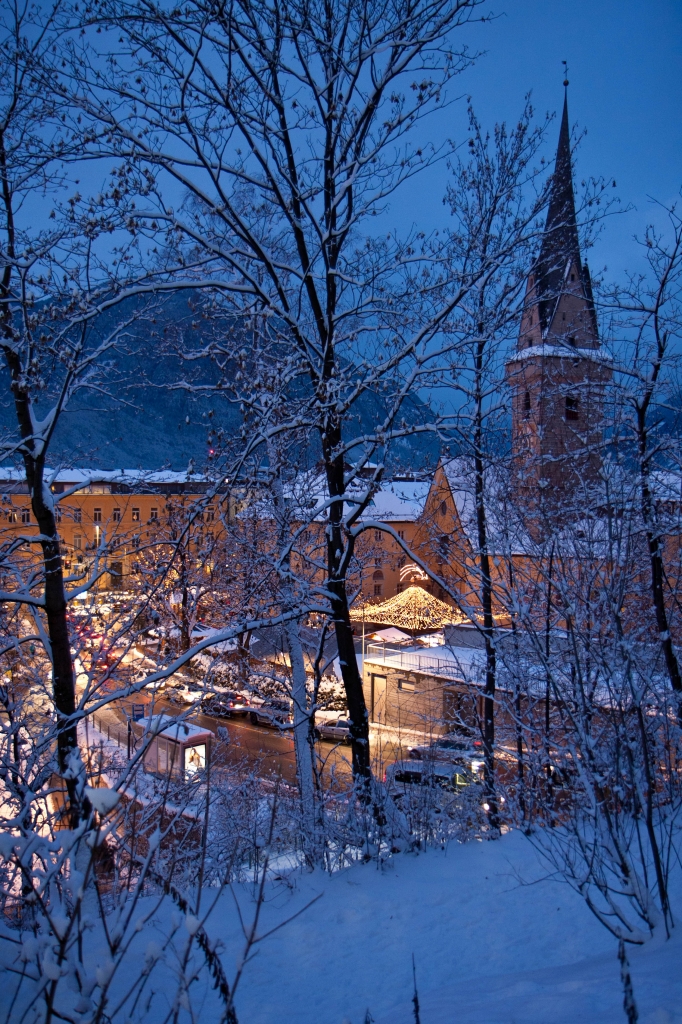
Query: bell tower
x=558 y=374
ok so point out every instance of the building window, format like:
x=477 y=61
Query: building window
x=77 y=541
x=77 y=515
x=406 y=685
x=526 y=405
x=116 y=575
x=378 y=536
x=572 y=277
x=571 y=407
x=443 y=508
x=12 y=516
x=25 y=515
x=401 y=534
x=377 y=562
x=97 y=515
x=399 y=588
x=154 y=515
x=136 y=515
x=378 y=589
x=116 y=515
x=210 y=514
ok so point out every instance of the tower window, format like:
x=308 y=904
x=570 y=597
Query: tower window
x=526 y=405
x=443 y=508
x=572 y=341
x=571 y=407
x=572 y=277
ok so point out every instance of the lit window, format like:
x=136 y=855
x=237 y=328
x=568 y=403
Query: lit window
x=136 y=515
x=13 y=518
x=116 y=516
x=571 y=407
x=97 y=515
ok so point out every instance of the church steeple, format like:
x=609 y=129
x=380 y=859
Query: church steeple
x=559 y=373
x=559 y=303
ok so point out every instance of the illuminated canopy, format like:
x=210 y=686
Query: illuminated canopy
x=415 y=609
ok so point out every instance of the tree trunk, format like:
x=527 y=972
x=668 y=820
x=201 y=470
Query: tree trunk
x=302 y=738
x=657 y=568
x=339 y=552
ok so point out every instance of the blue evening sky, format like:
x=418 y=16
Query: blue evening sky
x=625 y=71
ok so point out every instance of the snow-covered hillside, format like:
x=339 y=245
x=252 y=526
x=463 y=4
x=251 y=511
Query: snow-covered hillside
x=495 y=942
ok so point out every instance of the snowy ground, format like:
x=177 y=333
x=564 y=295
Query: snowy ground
x=494 y=943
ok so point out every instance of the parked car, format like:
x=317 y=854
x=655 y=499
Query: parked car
x=275 y=713
x=453 y=749
x=225 y=705
x=337 y=730
x=183 y=693
x=401 y=776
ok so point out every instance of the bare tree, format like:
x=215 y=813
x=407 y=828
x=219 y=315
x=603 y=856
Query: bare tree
x=286 y=128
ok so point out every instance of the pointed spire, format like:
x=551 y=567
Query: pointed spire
x=560 y=244
x=561 y=230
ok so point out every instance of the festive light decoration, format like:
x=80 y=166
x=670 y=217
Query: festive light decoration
x=415 y=610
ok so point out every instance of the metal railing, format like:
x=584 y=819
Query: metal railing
x=121 y=735
x=411 y=661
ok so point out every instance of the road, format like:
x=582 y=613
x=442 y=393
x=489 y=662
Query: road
x=271 y=752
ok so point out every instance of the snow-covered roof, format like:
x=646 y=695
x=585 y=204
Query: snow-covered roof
x=169 y=727
x=132 y=478
x=459 y=664
x=398 y=501
x=549 y=351
x=505 y=532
